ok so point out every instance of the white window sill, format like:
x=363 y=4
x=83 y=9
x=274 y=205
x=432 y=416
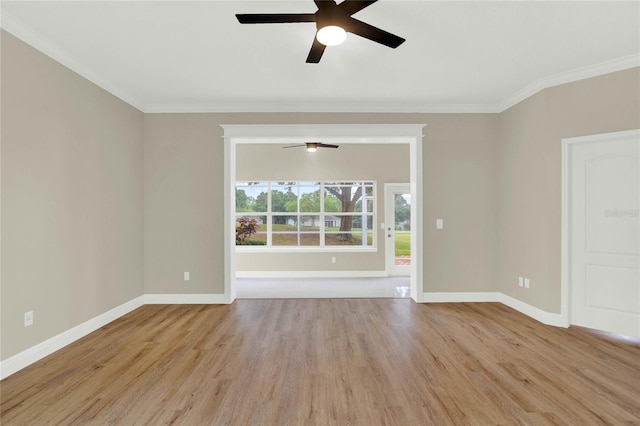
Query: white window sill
x=305 y=249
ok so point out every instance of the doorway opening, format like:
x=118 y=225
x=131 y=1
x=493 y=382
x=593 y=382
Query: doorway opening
x=349 y=135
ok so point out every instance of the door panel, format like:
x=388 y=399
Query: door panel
x=609 y=192
x=612 y=288
x=605 y=236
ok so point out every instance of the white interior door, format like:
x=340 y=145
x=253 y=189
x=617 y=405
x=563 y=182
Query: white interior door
x=397 y=229
x=605 y=234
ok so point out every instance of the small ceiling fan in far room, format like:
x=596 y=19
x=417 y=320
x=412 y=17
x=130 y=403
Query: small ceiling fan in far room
x=313 y=146
x=333 y=21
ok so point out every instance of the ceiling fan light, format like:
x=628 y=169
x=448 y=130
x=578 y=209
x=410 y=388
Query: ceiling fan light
x=331 y=35
x=312 y=147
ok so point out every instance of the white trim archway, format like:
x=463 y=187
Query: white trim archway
x=410 y=134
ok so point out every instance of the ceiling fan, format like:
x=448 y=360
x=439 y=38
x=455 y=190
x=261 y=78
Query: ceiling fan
x=313 y=146
x=333 y=21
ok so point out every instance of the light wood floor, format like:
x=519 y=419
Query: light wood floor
x=330 y=361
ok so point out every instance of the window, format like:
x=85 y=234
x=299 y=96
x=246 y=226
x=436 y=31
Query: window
x=307 y=214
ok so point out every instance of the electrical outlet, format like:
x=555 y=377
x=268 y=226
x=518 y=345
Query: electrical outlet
x=186 y=276
x=520 y=281
x=333 y=260
x=526 y=283
x=28 y=318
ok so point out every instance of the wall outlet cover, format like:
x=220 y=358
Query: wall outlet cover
x=28 y=318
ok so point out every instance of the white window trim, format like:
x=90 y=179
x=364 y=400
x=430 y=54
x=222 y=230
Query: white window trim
x=305 y=249
x=270 y=248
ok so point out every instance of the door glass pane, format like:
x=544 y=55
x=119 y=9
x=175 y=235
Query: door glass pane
x=402 y=218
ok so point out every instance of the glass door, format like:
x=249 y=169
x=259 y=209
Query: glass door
x=398 y=229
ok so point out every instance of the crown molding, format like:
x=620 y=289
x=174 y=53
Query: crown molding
x=16 y=27
x=594 y=70
x=320 y=107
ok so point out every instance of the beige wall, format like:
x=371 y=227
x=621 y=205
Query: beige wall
x=183 y=204
x=378 y=162
x=183 y=197
x=71 y=198
x=460 y=186
x=530 y=174
x=101 y=203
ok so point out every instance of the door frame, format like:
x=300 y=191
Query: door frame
x=565 y=262
x=410 y=134
x=390 y=189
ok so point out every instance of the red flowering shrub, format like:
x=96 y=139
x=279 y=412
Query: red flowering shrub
x=246 y=227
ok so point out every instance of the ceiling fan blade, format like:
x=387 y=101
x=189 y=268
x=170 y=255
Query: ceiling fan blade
x=317 y=49
x=324 y=4
x=327 y=145
x=372 y=33
x=294 y=146
x=352 y=6
x=274 y=18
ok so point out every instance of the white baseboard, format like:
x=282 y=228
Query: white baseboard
x=457 y=297
x=49 y=346
x=185 y=299
x=310 y=274
x=538 y=314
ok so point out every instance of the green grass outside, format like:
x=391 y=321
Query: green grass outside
x=403 y=244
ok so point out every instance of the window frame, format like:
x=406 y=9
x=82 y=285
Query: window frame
x=270 y=214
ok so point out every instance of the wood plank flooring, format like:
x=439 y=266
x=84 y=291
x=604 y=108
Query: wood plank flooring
x=330 y=362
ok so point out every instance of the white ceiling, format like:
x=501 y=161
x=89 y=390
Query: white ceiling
x=459 y=56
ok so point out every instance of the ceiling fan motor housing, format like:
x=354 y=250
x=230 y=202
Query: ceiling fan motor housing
x=329 y=14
